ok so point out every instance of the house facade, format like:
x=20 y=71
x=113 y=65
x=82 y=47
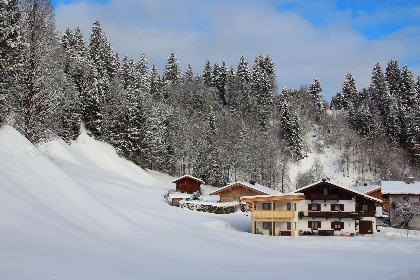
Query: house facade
x=188 y=184
x=318 y=209
x=404 y=200
x=234 y=191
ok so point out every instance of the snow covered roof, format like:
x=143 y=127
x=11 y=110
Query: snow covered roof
x=339 y=187
x=180 y=195
x=189 y=177
x=256 y=187
x=365 y=189
x=400 y=187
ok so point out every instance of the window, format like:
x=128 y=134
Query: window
x=266 y=225
x=314 y=207
x=337 y=207
x=314 y=224
x=289 y=226
x=325 y=191
x=266 y=206
x=365 y=207
x=337 y=225
x=289 y=207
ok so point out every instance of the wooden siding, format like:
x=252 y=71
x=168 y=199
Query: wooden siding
x=235 y=192
x=188 y=185
x=377 y=193
x=273 y=214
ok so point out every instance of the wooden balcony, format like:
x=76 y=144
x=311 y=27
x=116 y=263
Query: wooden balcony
x=273 y=214
x=333 y=214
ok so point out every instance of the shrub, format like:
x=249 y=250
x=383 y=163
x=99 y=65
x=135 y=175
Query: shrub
x=216 y=208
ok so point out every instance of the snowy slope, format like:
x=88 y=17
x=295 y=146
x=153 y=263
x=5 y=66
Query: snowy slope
x=81 y=212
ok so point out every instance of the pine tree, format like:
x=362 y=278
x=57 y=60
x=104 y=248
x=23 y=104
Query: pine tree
x=207 y=74
x=231 y=91
x=392 y=120
x=42 y=83
x=263 y=86
x=291 y=131
x=243 y=94
x=213 y=173
x=106 y=66
x=220 y=81
x=11 y=50
x=315 y=91
x=337 y=102
x=379 y=88
x=349 y=92
x=155 y=84
x=408 y=92
x=393 y=78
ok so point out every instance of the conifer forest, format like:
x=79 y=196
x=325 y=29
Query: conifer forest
x=219 y=122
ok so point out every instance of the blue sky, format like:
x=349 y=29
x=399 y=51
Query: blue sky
x=306 y=39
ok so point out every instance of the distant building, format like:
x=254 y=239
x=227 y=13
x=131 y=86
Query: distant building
x=177 y=197
x=374 y=191
x=234 y=191
x=321 y=208
x=188 y=184
x=404 y=194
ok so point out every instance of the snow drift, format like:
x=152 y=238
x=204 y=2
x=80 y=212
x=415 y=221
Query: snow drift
x=81 y=212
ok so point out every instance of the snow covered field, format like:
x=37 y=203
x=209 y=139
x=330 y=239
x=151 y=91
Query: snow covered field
x=81 y=212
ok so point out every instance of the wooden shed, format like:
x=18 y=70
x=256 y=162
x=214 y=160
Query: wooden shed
x=234 y=191
x=188 y=184
x=176 y=198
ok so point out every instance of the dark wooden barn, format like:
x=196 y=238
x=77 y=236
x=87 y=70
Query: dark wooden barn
x=188 y=184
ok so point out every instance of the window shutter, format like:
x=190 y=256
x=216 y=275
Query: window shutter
x=309 y=224
x=342 y=225
x=309 y=206
x=332 y=207
x=319 y=207
x=319 y=224
x=342 y=207
x=332 y=225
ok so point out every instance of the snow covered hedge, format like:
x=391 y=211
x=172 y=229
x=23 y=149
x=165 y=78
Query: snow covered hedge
x=216 y=208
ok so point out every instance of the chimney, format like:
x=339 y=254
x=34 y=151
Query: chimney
x=365 y=184
x=410 y=180
x=252 y=182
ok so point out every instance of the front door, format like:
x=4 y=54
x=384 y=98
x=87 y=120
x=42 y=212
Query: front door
x=365 y=227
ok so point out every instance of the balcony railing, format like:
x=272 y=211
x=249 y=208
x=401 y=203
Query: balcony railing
x=333 y=214
x=273 y=214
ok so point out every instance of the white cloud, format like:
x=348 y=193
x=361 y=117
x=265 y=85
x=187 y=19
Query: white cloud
x=223 y=30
